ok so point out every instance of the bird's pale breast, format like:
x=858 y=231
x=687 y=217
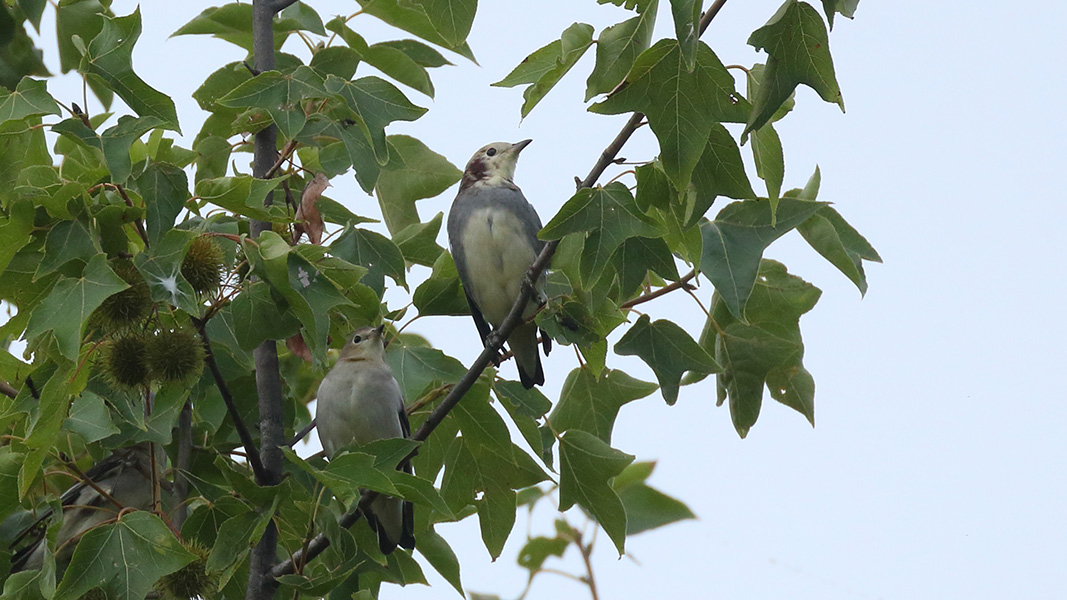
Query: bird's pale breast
x=363 y=407
x=498 y=253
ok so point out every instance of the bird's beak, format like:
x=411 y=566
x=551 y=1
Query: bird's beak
x=378 y=332
x=518 y=146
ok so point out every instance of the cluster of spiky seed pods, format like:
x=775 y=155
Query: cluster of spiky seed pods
x=138 y=353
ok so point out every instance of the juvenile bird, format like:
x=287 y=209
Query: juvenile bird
x=359 y=402
x=492 y=231
x=125 y=475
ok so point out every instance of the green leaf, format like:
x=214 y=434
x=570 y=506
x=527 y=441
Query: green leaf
x=22 y=145
x=611 y=216
x=681 y=105
x=67 y=241
x=770 y=161
x=109 y=56
x=117 y=140
x=335 y=60
x=496 y=517
x=15 y=231
x=686 y=15
x=418 y=241
x=846 y=8
x=377 y=103
x=233 y=23
x=798 y=52
x=419 y=52
x=71 y=302
x=636 y=257
x=765 y=350
x=302 y=282
x=414 y=172
x=439 y=554
x=219 y=84
x=279 y=94
x=617 y=47
x=668 y=350
x=375 y=252
x=165 y=190
x=720 y=172
x=90 y=418
x=587 y=463
x=243 y=195
x=416 y=369
x=734 y=243
x=30 y=98
x=533 y=555
x=78 y=20
x=591 y=404
x=300 y=12
x=124 y=559
x=451 y=18
x=546 y=66
x=259 y=315
x=648 y=508
x=653 y=187
x=837 y=241
x=525 y=407
x=753 y=78
x=411 y=17
x=442 y=292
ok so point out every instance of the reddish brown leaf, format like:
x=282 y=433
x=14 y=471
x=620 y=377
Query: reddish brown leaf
x=308 y=219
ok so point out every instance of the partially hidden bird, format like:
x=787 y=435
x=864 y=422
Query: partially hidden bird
x=492 y=232
x=359 y=401
x=125 y=475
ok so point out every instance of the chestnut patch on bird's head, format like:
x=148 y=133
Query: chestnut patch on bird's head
x=476 y=171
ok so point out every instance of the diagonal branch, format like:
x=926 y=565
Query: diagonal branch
x=231 y=406
x=493 y=344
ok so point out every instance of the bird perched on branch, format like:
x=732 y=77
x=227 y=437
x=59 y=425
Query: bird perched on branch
x=125 y=477
x=492 y=231
x=359 y=402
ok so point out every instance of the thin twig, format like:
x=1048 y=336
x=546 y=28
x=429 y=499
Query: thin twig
x=140 y=226
x=682 y=283
x=231 y=406
x=302 y=433
x=181 y=466
x=7 y=390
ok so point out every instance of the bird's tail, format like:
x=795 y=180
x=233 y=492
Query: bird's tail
x=523 y=344
x=393 y=520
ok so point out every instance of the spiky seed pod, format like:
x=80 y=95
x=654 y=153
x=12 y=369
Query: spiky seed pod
x=130 y=306
x=175 y=356
x=125 y=361
x=203 y=264
x=192 y=580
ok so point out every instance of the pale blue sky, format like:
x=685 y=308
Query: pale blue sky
x=936 y=469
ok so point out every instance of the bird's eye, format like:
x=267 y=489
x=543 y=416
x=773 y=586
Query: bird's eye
x=491 y=152
x=357 y=339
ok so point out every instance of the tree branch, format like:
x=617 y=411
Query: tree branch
x=493 y=343
x=682 y=283
x=268 y=376
x=7 y=390
x=231 y=406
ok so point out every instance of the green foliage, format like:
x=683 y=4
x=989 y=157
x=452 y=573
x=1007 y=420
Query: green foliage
x=124 y=254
